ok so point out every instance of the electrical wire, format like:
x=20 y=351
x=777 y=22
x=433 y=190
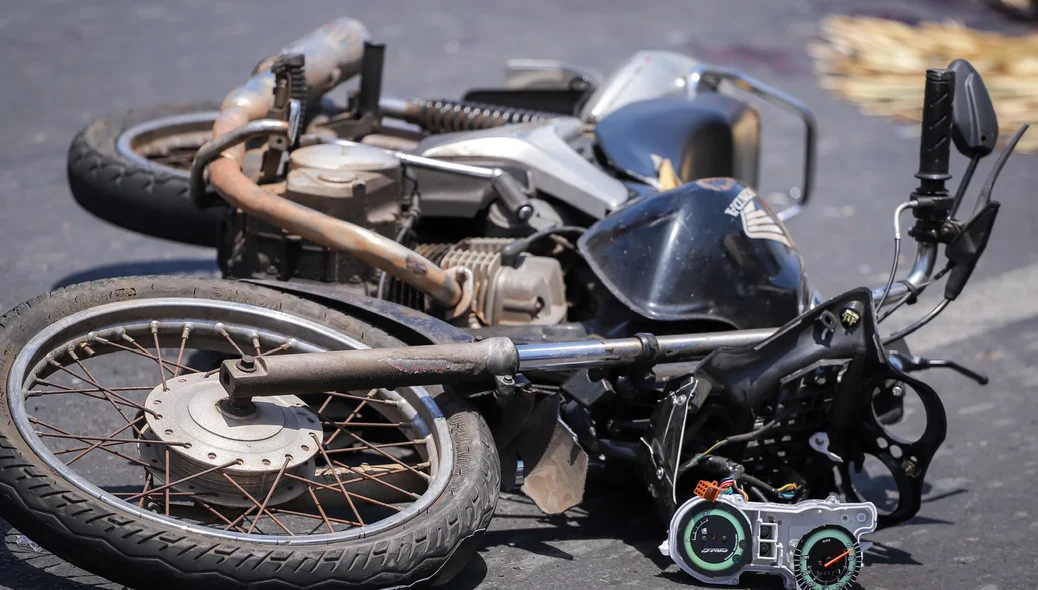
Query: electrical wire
x=716 y=446
x=729 y=484
x=744 y=494
x=897 y=249
x=966 y=177
x=740 y=438
x=896 y=307
x=919 y=323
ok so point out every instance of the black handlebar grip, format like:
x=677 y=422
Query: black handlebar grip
x=513 y=195
x=935 y=145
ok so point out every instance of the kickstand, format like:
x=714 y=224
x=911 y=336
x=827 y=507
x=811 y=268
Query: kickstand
x=911 y=363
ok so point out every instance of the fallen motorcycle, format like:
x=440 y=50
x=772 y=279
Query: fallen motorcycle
x=350 y=439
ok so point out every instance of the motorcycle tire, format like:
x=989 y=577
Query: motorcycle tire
x=133 y=543
x=132 y=169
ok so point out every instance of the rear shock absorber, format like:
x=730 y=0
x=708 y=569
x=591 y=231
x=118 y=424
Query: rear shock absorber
x=446 y=116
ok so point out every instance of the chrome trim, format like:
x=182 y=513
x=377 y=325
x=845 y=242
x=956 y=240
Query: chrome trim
x=704 y=77
x=645 y=76
x=548 y=74
x=598 y=353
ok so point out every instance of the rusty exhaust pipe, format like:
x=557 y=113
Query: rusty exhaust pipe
x=333 y=53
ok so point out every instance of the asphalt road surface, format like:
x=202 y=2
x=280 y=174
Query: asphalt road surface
x=68 y=62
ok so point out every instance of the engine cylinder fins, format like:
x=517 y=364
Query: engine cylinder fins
x=533 y=291
x=479 y=255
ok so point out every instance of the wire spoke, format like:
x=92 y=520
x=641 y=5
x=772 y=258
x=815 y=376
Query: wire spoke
x=348 y=492
x=70 y=435
x=189 y=478
x=217 y=514
x=320 y=509
x=184 y=335
x=241 y=517
x=369 y=400
x=166 y=497
x=270 y=493
x=86 y=392
x=349 y=418
x=142 y=352
x=417 y=441
x=258 y=505
x=148 y=482
x=99 y=443
x=342 y=488
x=158 y=355
x=375 y=479
x=374 y=448
x=223 y=332
x=120 y=441
x=154 y=493
x=108 y=394
x=369 y=424
x=69 y=390
x=283 y=346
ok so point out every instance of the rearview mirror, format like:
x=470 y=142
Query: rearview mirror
x=974 y=124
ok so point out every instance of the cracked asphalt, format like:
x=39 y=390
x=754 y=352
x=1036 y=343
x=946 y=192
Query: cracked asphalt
x=69 y=62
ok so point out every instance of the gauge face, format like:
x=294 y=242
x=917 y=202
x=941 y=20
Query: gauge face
x=716 y=539
x=827 y=558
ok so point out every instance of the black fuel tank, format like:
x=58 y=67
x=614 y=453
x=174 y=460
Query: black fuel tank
x=708 y=250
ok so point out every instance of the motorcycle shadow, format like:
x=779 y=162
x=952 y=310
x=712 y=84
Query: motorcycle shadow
x=186 y=266
x=616 y=508
x=27 y=566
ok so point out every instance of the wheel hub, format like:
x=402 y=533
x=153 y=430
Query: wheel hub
x=210 y=443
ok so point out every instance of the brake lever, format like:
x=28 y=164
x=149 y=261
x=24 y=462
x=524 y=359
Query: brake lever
x=909 y=363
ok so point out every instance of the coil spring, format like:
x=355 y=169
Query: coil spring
x=446 y=116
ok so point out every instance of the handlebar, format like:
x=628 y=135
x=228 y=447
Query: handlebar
x=918 y=277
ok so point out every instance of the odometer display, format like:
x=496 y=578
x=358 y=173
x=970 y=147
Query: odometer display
x=716 y=540
x=827 y=558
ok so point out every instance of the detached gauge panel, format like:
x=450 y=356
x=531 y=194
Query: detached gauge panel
x=716 y=540
x=812 y=545
x=828 y=557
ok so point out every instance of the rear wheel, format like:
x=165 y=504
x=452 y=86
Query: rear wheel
x=132 y=169
x=120 y=456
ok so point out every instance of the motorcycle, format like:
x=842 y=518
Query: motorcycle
x=346 y=438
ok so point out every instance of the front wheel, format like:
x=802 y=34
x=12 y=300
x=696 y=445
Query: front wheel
x=120 y=456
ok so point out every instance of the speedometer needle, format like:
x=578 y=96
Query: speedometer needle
x=833 y=561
